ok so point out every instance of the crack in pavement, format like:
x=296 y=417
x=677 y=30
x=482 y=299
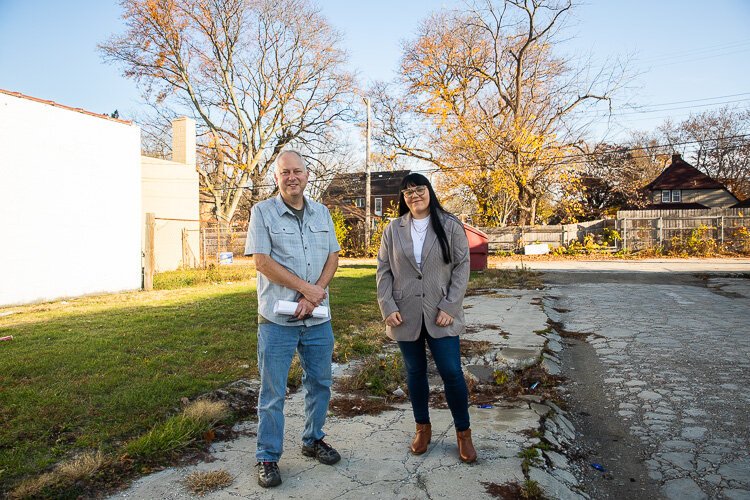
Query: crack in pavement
x=375 y=448
x=676 y=373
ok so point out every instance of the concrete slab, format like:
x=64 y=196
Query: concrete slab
x=376 y=461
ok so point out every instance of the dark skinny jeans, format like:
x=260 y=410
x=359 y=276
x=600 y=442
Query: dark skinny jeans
x=447 y=355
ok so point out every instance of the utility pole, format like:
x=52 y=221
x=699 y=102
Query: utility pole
x=368 y=221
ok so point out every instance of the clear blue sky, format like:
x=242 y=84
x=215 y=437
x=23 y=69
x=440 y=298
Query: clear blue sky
x=686 y=50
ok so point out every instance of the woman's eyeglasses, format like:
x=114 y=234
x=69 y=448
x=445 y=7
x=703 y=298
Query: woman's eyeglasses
x=416 y=190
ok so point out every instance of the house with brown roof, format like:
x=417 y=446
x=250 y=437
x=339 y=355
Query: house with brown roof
x=347 y=193
x=681 y=186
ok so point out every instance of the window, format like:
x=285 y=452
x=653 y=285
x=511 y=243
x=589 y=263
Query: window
x=665 y=196
x=378 y=206
x=676 y=196
x=359 y=202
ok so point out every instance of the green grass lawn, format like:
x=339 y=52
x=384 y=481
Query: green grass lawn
x=95 y=372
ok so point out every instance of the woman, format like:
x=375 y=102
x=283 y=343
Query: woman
x=423 y=270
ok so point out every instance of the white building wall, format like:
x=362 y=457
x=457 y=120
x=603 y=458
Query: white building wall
x=70 y=216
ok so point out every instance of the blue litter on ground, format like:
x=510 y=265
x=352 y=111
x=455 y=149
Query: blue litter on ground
x=486 y=407
x=599 y=467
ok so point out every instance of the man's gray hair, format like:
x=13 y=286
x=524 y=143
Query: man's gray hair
x=290 y=151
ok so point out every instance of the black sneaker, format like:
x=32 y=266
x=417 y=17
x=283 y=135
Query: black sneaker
x=268 y=474
x=323 y=451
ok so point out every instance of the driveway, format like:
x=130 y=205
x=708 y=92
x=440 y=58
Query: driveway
x=662 y=381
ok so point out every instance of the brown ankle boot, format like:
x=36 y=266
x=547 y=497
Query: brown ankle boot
x=466 y=451
x=421 y=439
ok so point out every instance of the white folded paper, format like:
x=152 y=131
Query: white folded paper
x=287 y=308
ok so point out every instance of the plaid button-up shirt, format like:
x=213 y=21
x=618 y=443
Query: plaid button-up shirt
x=275 y=231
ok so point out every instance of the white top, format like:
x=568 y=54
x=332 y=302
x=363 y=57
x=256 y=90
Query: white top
x=418 y=234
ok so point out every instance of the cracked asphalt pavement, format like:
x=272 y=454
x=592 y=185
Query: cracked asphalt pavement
x=673 y=353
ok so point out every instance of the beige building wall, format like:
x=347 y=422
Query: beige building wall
x=712 y=198
x=170 y=191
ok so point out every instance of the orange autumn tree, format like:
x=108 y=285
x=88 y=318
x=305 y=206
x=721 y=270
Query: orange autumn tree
x=257 y=75
x=485 y=92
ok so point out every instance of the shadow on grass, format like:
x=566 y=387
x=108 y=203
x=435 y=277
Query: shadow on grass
x=99 y=371
x=92 y=380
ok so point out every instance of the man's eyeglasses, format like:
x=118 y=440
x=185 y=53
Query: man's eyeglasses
x=416 y=190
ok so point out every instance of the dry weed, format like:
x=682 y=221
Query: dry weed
x=31 y=488
x=81 y=467
x=202 y=482
x=205 y=411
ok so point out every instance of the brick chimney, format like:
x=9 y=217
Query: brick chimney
x=183 y=140
x=676 y=157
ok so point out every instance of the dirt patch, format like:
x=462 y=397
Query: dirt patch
x=479 y=327
x=507 y=491
x=508 y=386
x=490 y=280
x=343 y=406
x=562 y=332
x=474 y=347
x=241 y=397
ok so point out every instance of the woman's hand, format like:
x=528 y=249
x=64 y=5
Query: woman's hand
x=443 y=319
x=393 y=319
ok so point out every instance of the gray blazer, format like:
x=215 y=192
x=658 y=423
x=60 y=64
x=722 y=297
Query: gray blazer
x=415 y=292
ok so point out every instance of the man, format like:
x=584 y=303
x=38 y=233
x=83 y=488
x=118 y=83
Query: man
x=293 y=244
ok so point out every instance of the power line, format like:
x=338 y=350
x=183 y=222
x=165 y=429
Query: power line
x=638 y=110
x=658 y=108
x=709 y=56
x=618 y=150
x=698 y=100
x=691 y=52
x=560 y=160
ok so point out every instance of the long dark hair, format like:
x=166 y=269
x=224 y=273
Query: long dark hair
x=436 y=210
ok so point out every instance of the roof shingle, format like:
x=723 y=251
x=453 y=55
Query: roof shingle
x=350 y=184
x=681 y=175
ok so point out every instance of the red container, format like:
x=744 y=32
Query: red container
x=478 y=247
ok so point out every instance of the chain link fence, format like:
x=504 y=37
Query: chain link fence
x=216 y=240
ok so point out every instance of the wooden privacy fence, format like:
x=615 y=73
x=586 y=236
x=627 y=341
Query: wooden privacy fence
x=641 y=229
x=638 y=229
x=169 y=243
x=513 y=237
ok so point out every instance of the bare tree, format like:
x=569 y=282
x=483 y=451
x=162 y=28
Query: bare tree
x=718 y=143
x=614 y=175
x=258 y=75
x=496 y=97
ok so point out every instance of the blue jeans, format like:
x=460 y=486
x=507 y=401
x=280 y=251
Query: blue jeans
x=276 y=347
x=447 y=355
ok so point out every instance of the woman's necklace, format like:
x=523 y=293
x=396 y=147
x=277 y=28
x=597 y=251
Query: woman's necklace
x=421 y=233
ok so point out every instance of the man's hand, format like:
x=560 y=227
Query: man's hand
x=393 y=319
x=443 y=319
x=304 y=308
x=314 y=293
